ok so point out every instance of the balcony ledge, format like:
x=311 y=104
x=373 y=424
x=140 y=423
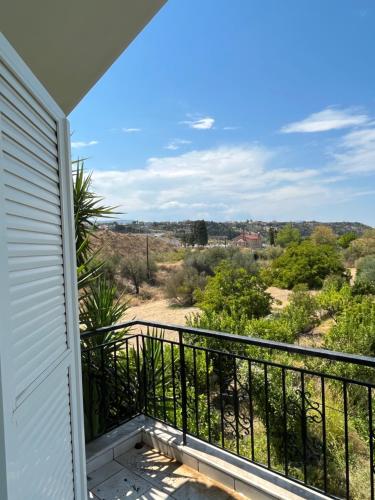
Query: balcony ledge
x=231 y=471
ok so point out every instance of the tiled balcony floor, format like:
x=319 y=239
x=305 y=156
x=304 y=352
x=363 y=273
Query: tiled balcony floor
x=145 y=474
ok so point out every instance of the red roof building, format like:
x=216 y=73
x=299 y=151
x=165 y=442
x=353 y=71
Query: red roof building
x=248 y=240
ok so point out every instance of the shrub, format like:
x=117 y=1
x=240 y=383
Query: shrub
x=182 y=285
x=355 y=329
x=323 y=235
x=335 y=296
x=345 y=240
x=360 y=248
x=305 y=263
x=366 y=270
x=101 y=306
x=235 y=291
x=205 y=261
x=287 y=235
x=135 y=269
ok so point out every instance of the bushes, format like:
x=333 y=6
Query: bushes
x=182 y=285
x=135 y=269
x=305 y=263
x=288 y=235
x=355 y=329
x=361 y=247
x=236 y=292
x=323 y=235
x=365 y=278
x=200 y=264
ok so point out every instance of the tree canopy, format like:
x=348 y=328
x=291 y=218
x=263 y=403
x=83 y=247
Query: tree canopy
x=305 y=263
x=287 y=235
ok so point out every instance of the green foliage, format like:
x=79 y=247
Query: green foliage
x=366 y=273
x=345 y=240
x=205 y=261
x=287 y=235
x=354 y=332
x=272 y=236
x=305 y=263
x=270 y=253
x=335 y=296
x=101 y=306
x=200 y=234
x=87 y=210
x=182 y=285
x=236 y=292
x=323 y=235
x=361 y=247
x=135 y=269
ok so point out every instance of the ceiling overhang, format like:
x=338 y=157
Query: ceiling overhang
x=69 y=44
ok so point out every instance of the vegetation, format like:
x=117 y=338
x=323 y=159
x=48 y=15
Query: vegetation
x=305 y=263
x=229 y=286
x=288 y=235
x=235 y=291
x=138 y=270
x=323 y=235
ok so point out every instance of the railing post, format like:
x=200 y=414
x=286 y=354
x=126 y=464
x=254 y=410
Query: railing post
x=183 y=386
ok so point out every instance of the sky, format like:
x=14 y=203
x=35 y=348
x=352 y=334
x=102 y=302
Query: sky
x=248 y=109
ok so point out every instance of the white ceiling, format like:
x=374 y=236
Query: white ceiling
x=69 y=44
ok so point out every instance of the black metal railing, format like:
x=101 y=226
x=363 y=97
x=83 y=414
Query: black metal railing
x=304 y=413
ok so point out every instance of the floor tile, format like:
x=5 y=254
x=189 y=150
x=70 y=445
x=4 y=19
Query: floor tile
x=205 y=489
x=148 y=463
x=123 y=485
x=97 y=476
x=155 y=494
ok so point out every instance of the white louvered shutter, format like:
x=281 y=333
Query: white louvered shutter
x=39 y=356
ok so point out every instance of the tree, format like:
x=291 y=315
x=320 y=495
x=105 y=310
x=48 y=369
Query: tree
x=272 y=235
x=200 y=232
x=345 y=239
x=182 y=285
x=365 y=279
x=287 y=235
x=305 y=263
x=323 y=235
x=235 y=291
x=361 y=247
x=135 y=270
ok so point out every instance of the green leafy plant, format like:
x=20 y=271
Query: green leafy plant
x=305 y=263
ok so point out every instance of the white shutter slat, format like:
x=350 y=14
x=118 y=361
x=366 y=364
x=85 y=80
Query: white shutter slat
x=17 y=134
x=21 y=93
x=27 y=173
x=39 y=353
x=15 y=116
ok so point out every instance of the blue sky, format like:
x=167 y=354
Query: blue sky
x=260 y=109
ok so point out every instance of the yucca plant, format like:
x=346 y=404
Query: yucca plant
x=88 y=208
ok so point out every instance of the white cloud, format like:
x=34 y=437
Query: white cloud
x=356 y=152
x=222 y=183
x=82 y=144
x=328 y=119
x=230 y=128
x=176 y=144
x=131 y=130
x=201 y=123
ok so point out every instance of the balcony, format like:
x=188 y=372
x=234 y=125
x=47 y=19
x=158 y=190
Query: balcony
x=263 y=418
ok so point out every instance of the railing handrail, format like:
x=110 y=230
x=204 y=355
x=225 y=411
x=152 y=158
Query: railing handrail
x=230 y=337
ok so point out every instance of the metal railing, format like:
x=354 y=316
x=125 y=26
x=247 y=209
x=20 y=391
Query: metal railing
x=304 y=413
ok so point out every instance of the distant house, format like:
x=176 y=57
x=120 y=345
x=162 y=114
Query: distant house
x=248 y=240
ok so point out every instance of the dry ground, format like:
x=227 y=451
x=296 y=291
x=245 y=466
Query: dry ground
x=160 y=311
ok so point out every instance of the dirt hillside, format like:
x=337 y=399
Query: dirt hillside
x=111 y=244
